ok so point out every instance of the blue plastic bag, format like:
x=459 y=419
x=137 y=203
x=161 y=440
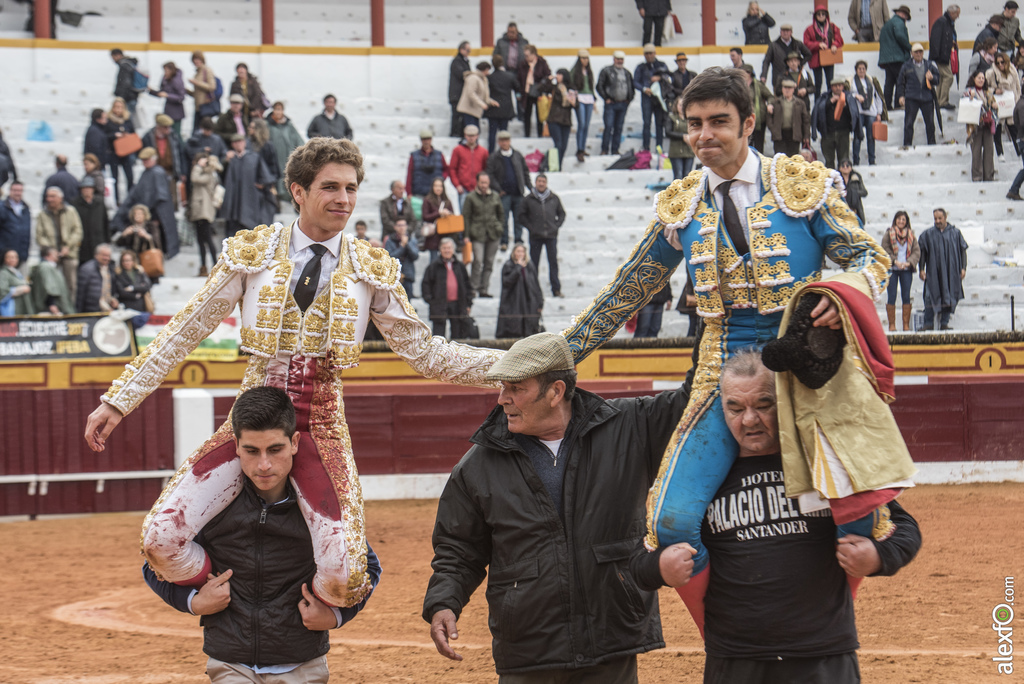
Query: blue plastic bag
x=39 y=131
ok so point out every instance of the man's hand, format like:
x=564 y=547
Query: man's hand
x=802 y=92
x=214 y=596
x=920 y=272
x=878 y=117
x=317 y=616
x=641 y=13
x=860 y=98
x=858 y=556
x=443 y=629
x=771 y=109
x=100 y=424
x=676 y=564
x=826 y=313
x=903 y=101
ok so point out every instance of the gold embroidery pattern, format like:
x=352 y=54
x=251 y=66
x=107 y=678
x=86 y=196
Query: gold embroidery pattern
x=636 y=281
x=702 y=394
x=677 y=200
x=252 y=250
x=852 y=248
x=178 y=339
x=734 y=275
x=772 y=299
x=374 y=264
x=768 y=245
x=800 y=184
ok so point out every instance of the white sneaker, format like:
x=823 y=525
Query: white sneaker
x=1001 y=157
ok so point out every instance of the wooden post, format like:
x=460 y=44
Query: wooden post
x=935 y=11
x=377 y=23
x=156 y=21
x=41 y=23
x=708 y=20
x=486 y=23
x=597 y=23
x=267 y=21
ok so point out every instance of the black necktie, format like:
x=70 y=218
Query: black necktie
x=310 y=278
x=732 y=220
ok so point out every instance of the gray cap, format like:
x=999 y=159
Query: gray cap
x=504 y=135
x=87 y=182
x=533 y=356
x=236 y=98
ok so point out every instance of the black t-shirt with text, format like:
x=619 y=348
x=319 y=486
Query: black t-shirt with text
x=776 y=589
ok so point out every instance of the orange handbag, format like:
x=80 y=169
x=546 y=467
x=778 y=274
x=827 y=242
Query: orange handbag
x=450 y=224
x=129 y=143
x=880 y=131
x=467 y=252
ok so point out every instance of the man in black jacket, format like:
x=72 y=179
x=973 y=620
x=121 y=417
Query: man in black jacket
x=96 y=141
x=549 y=505
x=778 y=53
x=941 y=44
x=653 y=12
x=447 y=290
x=779 y=607
x=503 y=85
x=543 y=215
x=459 y=66
x=511 y=178
x=259 y=615
x=124 y=83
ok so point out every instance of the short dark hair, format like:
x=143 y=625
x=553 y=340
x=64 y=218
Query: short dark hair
x=944 y=214
x=116 y=52
x=328 y=95
x=738 y=51
x=720 y=85
x=463 y=44
x=97 y=114
x=242 y=64
x=360 y=222
x=46 y=252
x=306 y=161
x=859 y=62
x=512 y=24
x=483 y=66
x=988 y=44
x=548 y=379
x=261 y=409
x=1010 y=4
x=478 y=176
x=206 y=123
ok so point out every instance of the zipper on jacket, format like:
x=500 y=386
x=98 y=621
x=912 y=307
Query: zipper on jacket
x=258 y=595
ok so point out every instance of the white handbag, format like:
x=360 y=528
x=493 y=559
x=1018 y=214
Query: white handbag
x=1004 y=104
x=969 y=111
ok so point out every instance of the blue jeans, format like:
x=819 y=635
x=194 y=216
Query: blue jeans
x=511 y=204
x=1018 y=181
x=866 y=121
x=903 y=280
x=560 y=137
x=583 y=114
x=648 y=320
x=681 y=166
x=614 y=117
x=493 y=126
x=647 y=108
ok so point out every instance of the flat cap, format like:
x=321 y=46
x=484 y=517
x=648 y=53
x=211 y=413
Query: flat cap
x=426 y=134
x=619 y=54
x=533 y=356
x=146 y=153
x=504 y=135
x=87 y=182
x=793 y=55
x=788 y=83
x=786 y=27
x=649 y=47
x=471 y=130
x=583 y=52
x=838 y=80
x=917 y=47
x=236 y=98
x=237 y=137
x=164 y=120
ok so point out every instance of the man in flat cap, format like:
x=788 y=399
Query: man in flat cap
x=914 y=91
x=246 y=186
x=894 y=51
x=789 y=121
x=778 y=53
x=169 y=151
x=549 y=505
x=153 y=191
x=233 y=121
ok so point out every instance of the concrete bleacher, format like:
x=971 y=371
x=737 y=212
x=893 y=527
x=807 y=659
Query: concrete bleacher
x=607 y=211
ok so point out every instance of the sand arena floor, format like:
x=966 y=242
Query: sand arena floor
x=75 y=608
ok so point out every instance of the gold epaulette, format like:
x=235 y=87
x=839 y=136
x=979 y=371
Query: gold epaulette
x=374 y=264
x=675 y=204
x=800 y=186
x=252 y=250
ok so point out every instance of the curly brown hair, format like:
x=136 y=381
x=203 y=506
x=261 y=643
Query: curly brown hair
x=306 y=161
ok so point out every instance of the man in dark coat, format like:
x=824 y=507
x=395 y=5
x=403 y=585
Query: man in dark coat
x=95 y=222
x=503 y=86
x=96 y=141
x=676 y=83
x=834 y=118
x=894 y=51
x=329 y=123
x=941 y=45
x=124 y=83
x=615 y=87
x=205 y=140
x=245 y=190
x=914 y=85
x=528 y=507
x=15 y=222
x=653 y=12
x=943 y=267
x=991 y=30
x=789 y=121
x=646 y=74
x=62 y=179
x=152 y=191
x=543 y=215
x=96 y=282
x=459 y=66
x=510 y=47
x=7 y=169
x=425 y=164
x=393 y=207
x=233 y=122
x=447 y=290
x=778 y=52
x=167 y=144
x=510 y=178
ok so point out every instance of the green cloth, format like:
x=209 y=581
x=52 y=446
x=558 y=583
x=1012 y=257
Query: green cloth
x=483 y=216
x=9 y=279
x=787 y=113
x=893 y=42
x=47 y=281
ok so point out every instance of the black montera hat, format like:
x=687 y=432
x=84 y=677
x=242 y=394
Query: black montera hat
x=812 y=354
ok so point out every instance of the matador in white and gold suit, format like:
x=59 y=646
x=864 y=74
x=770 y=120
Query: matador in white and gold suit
x=305 y=354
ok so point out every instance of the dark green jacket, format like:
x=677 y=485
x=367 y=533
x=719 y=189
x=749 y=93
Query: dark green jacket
x=894 y=42
x=483 y=216
x=561 y=595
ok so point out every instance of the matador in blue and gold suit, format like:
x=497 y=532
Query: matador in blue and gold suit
x=800 y=219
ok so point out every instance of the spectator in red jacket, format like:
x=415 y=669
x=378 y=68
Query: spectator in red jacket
x=468 y=159
x=822 y=34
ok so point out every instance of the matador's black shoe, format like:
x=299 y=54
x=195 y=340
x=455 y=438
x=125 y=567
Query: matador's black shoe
x=812 y=354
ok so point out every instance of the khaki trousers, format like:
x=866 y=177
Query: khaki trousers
x=945 y=83
x=69 y=267
x=310 y=672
